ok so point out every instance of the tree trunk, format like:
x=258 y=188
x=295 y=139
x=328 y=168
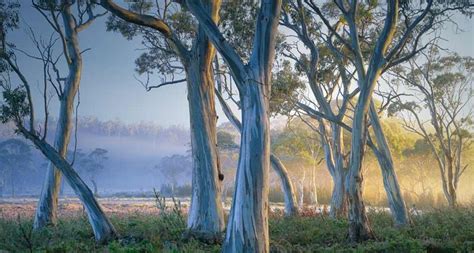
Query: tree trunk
x=46 y=211
x=206 y=215
x=94 y=185
x=291 y=201
x=47 y=208
x=301 y=183
x=339 y=204
x=104 y=231
x=314 y=187
x=286 y=186
x=247 y=229
x=390 y=181
x=333 y=152
x=452 y=198
x=359 y=228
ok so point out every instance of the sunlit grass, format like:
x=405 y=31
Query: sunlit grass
x=441 y=230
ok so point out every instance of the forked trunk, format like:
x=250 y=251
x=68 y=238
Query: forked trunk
x=247 y=229
x=103 y=229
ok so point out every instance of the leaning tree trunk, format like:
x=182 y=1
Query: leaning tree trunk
x=291 y=207
x=390 y=181
x=247 y=229
x=206 y=216
x=359 y=228
x=104 y=231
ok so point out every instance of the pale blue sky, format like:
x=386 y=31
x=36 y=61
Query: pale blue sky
x=109 y=89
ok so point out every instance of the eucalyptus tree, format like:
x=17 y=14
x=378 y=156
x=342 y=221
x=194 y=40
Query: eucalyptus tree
x=67 y=22
x=247 y=229
x=441 y=87
x=288 y=189
x=237 y=23
x=394 y=42
x=92 y=163
x=15 y=160
x=179 y=46
x=18 y=106
x=329 y=76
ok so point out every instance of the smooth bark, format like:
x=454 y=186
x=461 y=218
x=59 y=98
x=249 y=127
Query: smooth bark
x=291 y=203
x=206 y=213
x=390 y=181
x=46 y=211
x=247 y=229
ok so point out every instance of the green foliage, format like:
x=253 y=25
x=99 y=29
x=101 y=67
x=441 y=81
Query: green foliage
x=297 y=142
x=14 y=106
x=285 y=87
x=225 y=140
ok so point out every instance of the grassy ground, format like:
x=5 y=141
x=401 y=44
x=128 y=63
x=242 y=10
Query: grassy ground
x=434 y=231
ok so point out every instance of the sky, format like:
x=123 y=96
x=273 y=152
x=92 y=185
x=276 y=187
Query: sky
x=109 y=89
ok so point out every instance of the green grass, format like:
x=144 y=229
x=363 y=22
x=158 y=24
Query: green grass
x=436 y=231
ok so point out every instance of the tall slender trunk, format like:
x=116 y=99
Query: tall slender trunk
x=104 y=231
x=206 y=215
x=314 y=186
x=301 y=184
x=247 y=229
x=46 y=211
x=390 y=181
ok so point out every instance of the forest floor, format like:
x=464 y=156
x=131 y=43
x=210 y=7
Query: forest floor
x=143 y=229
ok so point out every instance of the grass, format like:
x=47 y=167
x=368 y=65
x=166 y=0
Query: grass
x=435 y=231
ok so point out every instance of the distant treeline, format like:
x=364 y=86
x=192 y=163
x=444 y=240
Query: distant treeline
x=114 y=127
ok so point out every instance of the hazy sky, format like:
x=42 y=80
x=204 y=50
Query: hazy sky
x=109 y=89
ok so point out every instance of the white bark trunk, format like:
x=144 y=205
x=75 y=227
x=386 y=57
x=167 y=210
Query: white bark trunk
x=206 y=216
x=286 y=186
x=247 y=229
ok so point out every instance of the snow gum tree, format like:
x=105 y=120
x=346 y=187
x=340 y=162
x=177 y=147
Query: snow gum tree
x=17 y=106
x=247 y=229
x=179 y=46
